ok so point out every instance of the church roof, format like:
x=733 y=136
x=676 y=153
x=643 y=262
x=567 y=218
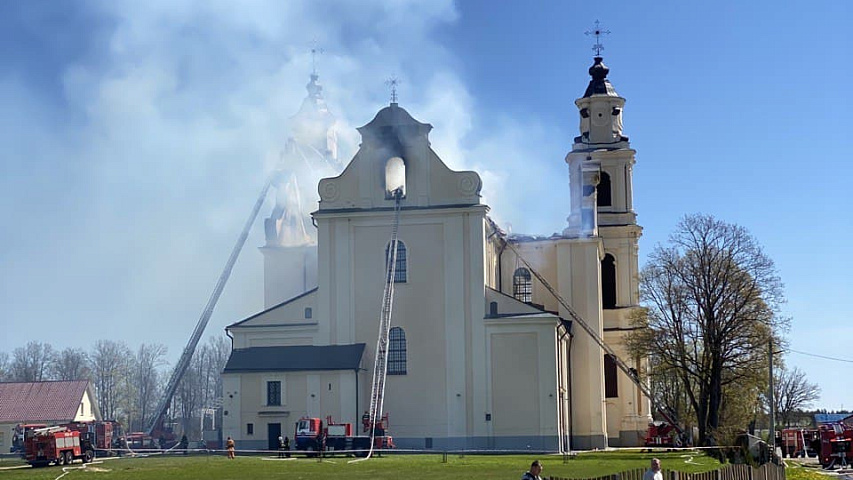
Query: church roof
x=295 y=358
x=599 y=85
x=274 y=307
x=393 y=125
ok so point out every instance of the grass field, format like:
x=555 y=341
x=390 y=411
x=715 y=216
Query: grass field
x=397 y=467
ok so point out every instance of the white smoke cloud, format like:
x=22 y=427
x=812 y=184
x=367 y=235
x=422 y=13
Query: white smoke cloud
x=125 y=198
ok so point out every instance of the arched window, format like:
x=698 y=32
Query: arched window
x=603 y=199
x=396 y=351
x=401 y=271
x=608 y=282
x=522 y=286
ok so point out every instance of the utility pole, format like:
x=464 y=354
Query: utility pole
x=771 y=441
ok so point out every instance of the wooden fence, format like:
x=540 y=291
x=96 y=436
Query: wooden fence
x=768 y=471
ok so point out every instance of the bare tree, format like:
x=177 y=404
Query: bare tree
x=712 y=296
x=5 y=373
x=109 y=362
x=146 y=379
x=71 y=364
x=31 y=363
x=793 y=392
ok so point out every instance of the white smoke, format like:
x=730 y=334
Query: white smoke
x=125 y=196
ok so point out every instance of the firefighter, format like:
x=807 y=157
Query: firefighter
x=229 y=446
x=286 y=445
x=280 y=446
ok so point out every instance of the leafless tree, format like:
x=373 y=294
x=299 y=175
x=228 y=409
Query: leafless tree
x=5 y=374
x=31 y=363
x=71 y=364
x=712 y=297
x=792 y=392
x=109 y=362
x=145 y=382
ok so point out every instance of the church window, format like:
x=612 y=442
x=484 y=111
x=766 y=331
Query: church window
x=604 y=197
x=396 y=351
x=608 y=282
x=308 y=312
x=250 y=429
x=274 y=393
x=611 y=387
x=493 y=308
x=522 y=285
x=395 y=177
x=400 y=272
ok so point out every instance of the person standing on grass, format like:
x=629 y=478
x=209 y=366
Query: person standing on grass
x=229 y=446
x=653 y=473
x=535 y=470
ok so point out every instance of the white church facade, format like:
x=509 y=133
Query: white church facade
x=481 y=355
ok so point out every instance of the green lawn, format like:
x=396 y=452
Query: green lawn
x=469 y=467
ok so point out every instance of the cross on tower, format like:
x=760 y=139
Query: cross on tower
x=392 y=82
x=315 y=50
x=598 y=32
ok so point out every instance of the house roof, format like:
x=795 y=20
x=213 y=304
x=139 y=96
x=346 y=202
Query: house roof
x=41 y=401
x=829 y=417
x=295 y=358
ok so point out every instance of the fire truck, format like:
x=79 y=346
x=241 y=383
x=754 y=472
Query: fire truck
x=800 y=442
x=312 y=435
x=836 y=445
x=58 y=445
x=662 y=434
x=104 y=433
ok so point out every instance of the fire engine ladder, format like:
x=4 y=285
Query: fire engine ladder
x=186 y=356
x=665 y=411
x=380 y=366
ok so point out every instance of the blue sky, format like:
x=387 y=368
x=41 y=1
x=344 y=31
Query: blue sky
x=137 y=134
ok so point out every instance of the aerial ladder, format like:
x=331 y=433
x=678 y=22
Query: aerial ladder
x=665 y=411
x=184 y=362
x=380 y=365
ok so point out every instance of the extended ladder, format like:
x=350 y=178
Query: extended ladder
x=380 y=366
x=664 y=410
x=189 y=350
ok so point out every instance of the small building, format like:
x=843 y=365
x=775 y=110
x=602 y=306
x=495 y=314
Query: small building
x=51 y=403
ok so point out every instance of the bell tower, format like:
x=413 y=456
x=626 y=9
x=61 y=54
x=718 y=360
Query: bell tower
x=311 y=152
x=601 y=166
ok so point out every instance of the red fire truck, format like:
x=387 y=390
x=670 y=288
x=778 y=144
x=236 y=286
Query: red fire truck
x=58 y=445
x=800 y=442
x=836 y=445
x=312 y=435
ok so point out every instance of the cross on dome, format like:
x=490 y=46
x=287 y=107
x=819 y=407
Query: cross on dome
x=392 y=82
x=598 y=32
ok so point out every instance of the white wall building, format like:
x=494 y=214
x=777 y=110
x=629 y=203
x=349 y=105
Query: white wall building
x=481 y=354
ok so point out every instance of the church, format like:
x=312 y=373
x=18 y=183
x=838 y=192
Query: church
x=481 y=354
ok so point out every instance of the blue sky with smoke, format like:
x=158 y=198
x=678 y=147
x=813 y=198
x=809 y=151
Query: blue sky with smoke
x=136 y=136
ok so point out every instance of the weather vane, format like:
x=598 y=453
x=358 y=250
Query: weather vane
x=392 y=82
x=598 y=32
x=315 y=50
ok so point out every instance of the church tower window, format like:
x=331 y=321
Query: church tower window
x=401 y=270
x=611 y=387
x=604 y=197
x=396 y=351
x=608 y=282
x=522 y=286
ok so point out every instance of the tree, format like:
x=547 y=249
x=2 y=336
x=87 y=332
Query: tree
x=712 y=298
x=5 y=374
x=31 y=363
x=145 y=380
x=70 y=364
x=792 y=392
x=109 y=362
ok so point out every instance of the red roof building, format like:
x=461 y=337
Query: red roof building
x=50 y=403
